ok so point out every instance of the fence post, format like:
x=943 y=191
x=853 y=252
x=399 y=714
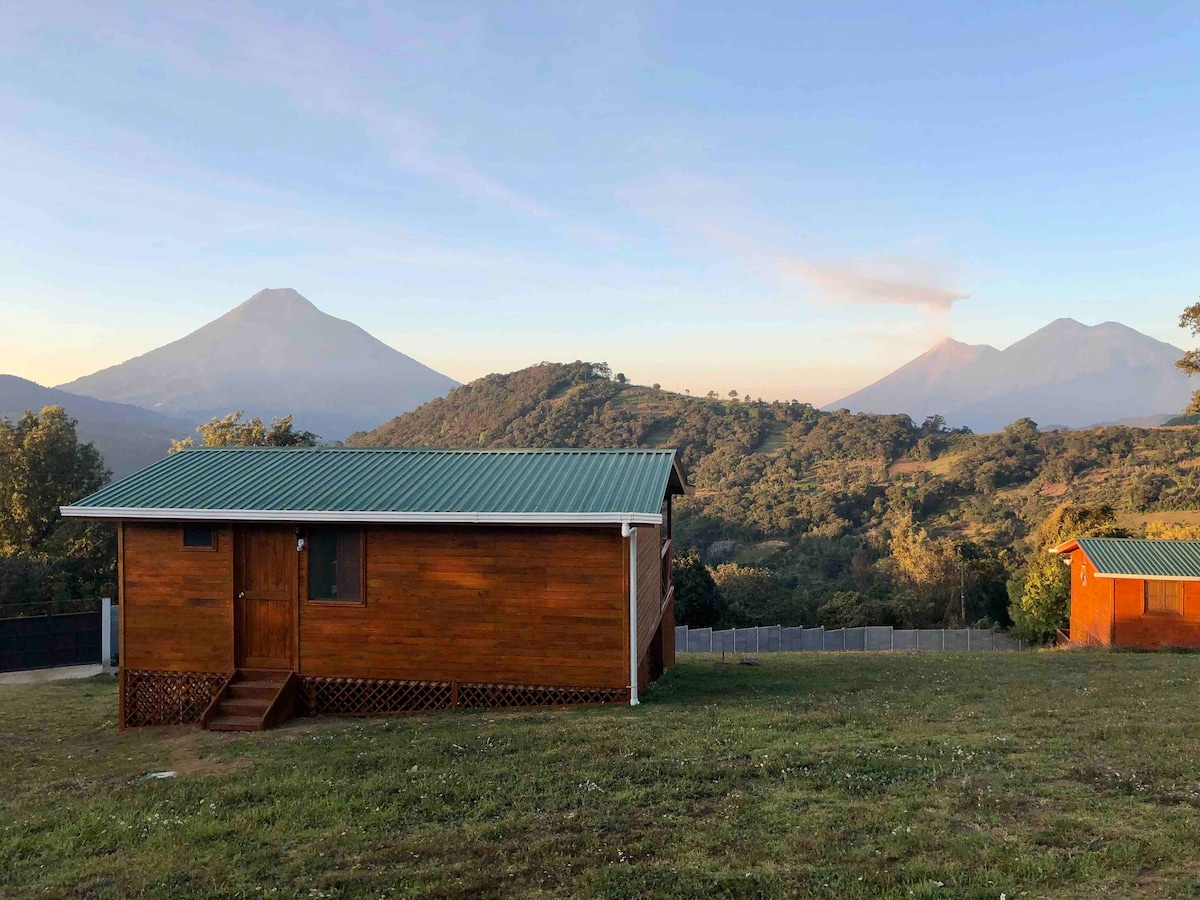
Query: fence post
x=106 y=632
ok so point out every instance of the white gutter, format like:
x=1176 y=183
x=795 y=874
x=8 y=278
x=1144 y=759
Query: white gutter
x=631 y=533
x=368 y=516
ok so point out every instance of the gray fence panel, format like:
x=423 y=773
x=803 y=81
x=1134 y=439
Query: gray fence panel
x=904 y=639
x=877 y=637
x=930 y=639
x=812 y=639
x=699 y=640
x=775 y=638
x=981 y=638
x=1003 y=641
x=770 y=638
x=956 y=639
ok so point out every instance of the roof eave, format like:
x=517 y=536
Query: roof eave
x=359 y=516
x=678 y=483
x=1067 y=547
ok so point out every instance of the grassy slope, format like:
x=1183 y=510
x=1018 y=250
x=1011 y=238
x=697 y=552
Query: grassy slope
x=1059 y=774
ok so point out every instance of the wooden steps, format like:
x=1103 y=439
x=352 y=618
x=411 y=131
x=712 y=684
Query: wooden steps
x=252 y=700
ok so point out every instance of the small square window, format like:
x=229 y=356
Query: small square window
x=199 y=537
x=1164 y=597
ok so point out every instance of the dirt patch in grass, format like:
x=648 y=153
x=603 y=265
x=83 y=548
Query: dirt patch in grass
x=1053 y=489
x=187 y=747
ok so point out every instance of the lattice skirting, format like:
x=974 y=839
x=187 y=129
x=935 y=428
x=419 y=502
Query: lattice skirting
x=364 y=696
x=167 y=698
x=497 y=695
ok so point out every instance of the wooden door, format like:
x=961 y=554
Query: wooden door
x=265 y=563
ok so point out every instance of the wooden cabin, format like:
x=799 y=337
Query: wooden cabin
x=260 y=583
x=1127 y=592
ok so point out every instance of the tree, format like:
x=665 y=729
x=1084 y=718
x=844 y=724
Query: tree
x=44 y=557
x=1190 y=361
x=231 y=431
x=697 y=600
x=753 y=595
x=1172 y=531
x=620 y=378
x=656 y=386
x=1041 y=594
x=935 y=424
x=42 y=467
x=850 y=609
x=929 y=571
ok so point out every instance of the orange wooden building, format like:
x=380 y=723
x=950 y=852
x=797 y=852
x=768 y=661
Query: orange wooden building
x=259 y=583
x=1127 y=592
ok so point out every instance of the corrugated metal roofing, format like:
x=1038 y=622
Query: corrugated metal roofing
x=395 y=485
x=1134 y=557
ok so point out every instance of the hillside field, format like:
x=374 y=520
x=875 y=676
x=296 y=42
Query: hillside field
x=1054 y=774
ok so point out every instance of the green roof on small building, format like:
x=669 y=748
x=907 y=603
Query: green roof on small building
x=1139 y=557
x=570 y=486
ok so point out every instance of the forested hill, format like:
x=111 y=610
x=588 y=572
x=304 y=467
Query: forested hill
x=828 y=500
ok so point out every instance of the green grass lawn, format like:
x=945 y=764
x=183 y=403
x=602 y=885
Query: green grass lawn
x=838 y=775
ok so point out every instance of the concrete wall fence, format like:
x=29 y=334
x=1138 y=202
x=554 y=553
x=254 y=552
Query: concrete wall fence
x=776 y=638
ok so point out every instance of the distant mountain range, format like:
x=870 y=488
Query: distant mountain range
x=273 y=355
x=129 y=437
x=1066 y=375
x=277 y=354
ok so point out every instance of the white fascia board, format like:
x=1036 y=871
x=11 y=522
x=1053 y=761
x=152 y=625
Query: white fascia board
x=414 y=518
x=1125 y=575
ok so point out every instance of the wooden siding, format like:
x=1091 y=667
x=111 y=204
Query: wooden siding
x=649 y=600
x=668 y=634
x=649 y=594
x=490 y=604
x=1136 y=628
x=1091 y=603
x=176 y=604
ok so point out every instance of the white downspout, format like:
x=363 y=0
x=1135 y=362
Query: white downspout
x=630 y=532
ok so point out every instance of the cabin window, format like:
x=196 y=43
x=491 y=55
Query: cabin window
x=199 y=537
x=1164 y=597
x=335 y=564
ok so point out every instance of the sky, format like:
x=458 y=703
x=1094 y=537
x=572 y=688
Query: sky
x=785 y=199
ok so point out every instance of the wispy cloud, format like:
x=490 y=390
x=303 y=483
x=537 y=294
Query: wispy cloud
x=720 y=212
x=901 y=283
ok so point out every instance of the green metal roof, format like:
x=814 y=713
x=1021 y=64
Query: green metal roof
x=1142 y=558
x=327 y=484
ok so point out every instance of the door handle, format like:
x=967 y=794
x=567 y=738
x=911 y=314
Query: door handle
x=241 y=594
